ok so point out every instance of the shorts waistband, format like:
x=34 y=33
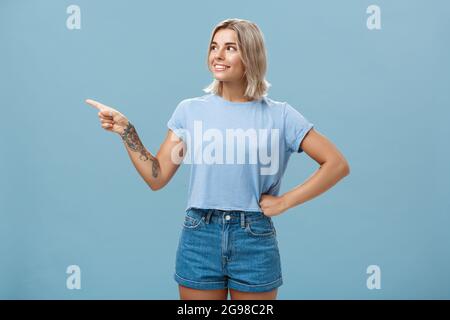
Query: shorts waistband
x=226 y=216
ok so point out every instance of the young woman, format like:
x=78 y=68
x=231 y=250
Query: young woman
x=228 y=240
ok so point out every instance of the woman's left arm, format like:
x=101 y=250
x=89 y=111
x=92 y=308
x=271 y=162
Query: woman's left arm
x=333 y=167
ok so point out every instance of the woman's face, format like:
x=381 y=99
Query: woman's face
x=224 y=57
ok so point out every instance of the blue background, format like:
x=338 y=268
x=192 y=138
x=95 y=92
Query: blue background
x=71 y=196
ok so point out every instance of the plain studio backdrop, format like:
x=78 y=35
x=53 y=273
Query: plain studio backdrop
x=70 y=196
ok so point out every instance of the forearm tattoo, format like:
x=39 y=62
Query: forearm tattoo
x=132 y=140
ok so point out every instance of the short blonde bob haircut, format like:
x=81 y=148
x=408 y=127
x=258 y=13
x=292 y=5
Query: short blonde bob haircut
x=250 y=41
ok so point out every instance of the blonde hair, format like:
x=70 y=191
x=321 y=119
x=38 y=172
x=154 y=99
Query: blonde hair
x=250 y=41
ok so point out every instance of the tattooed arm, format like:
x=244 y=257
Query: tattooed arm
x=163 y=165
x=145 y=163
x=155 y=170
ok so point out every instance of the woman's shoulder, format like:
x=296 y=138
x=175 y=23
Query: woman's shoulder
x=273 y=103
x=195 y=100
x=282 y=105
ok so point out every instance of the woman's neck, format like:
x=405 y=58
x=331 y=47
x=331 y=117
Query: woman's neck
x=234 y=92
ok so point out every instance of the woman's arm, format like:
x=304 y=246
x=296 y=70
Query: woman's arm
x=155 y=170
x=333 y=167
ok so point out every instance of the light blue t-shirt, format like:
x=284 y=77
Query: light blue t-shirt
x=237 y=150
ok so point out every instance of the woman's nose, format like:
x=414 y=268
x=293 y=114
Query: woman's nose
x=219 y=54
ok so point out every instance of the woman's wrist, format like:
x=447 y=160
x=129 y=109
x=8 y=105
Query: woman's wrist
x=127 y=129
x=286 y=201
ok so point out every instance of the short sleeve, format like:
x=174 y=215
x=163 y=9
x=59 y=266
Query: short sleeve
x=296 y=126
x=177 y=122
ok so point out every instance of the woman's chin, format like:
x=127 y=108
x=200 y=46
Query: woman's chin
x=220 y=77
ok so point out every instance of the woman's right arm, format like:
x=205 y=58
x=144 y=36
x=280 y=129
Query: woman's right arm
x=155 y=170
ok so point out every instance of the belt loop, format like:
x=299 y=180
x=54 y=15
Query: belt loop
x=208 y=216
x=242 y=220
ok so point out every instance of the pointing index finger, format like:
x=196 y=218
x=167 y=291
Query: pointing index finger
x=95 y=104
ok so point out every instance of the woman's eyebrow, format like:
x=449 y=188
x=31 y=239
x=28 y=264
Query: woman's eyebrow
x=225 y=43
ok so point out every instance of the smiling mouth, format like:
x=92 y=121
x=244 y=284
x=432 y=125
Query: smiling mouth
x=220 y=67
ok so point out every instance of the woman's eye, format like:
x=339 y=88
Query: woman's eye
x=213 y=47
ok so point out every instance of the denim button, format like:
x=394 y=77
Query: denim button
x=227 y=217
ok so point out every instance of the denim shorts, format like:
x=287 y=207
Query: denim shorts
x=221 y=249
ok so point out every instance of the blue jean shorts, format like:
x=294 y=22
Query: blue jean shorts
x=221 y=249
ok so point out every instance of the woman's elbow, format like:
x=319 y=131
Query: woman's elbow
x=345 y=167
x=155 y=186
x=340 y=164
